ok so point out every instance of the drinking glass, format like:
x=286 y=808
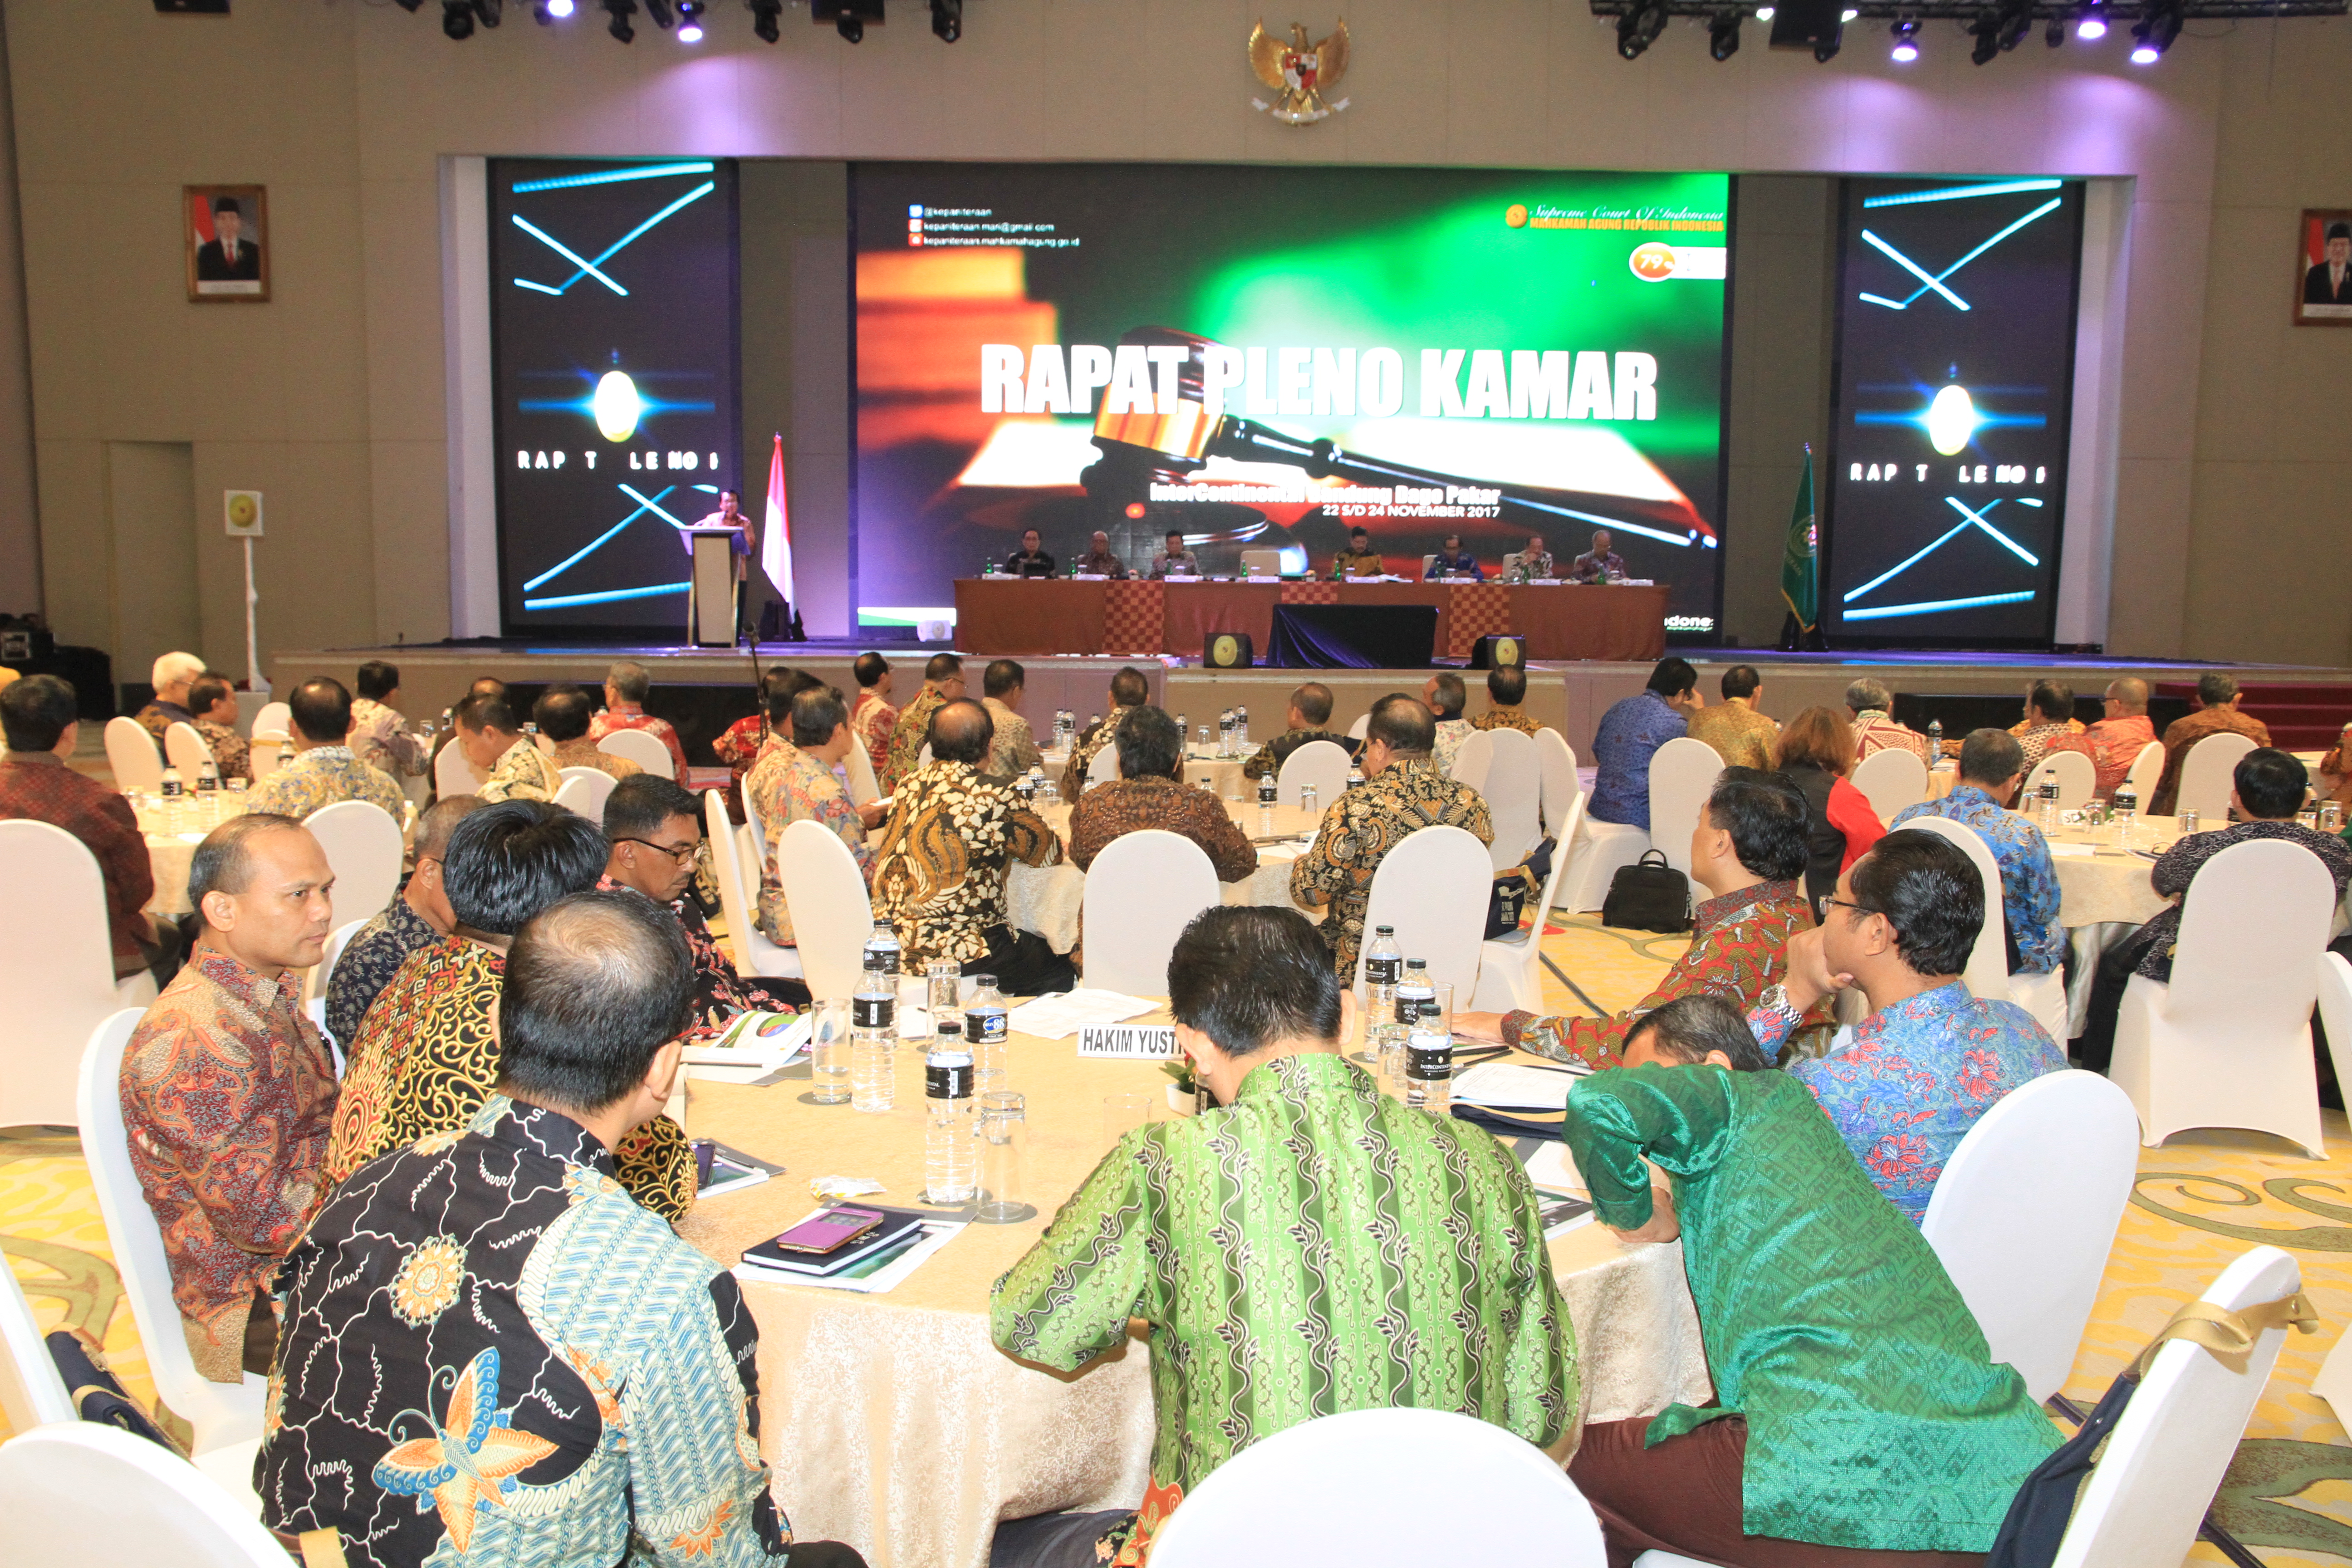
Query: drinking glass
x=942 y=978
x=2185 y=823
x=1003 y=1130
x=829 y=1053
x=1122 y=1112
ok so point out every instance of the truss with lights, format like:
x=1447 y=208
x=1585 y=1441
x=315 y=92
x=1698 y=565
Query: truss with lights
x=1995 y=25
x=691 y=18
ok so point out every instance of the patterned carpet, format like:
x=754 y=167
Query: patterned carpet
x=2202 y=1201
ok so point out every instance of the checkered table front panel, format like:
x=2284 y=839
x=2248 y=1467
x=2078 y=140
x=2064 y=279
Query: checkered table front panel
x=1310 y=592
x=1131 y=617
x=1477 y=609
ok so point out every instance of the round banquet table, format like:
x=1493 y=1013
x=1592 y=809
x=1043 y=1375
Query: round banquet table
x=895 y=1425
x=1049 y=899
x=170 y=855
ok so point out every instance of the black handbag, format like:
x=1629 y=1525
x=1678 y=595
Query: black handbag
x=1508 y=904
x=1647 y=896
x=97 y=1397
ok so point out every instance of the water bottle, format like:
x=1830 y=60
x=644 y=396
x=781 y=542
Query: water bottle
x=985 y=1031
x=175 y=801
x=873 y=1039
x=1411 y=993
x=1429 y=1062
x=1384 y=967
x=882 y=951
x=1240 y=728
x=1226 y=733
x=2050 y=805
x=949 y=1161
x=1935 y=745
x=208 y=793
x=1093 y=722
x=1183 y=728
x=2124 y=806
x=1355 y=774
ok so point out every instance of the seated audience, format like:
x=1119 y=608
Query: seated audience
x=172 y=674
x=1991 y=769
x=1630 y=733
x=562 y=714
x=323 y=771
x=2049 y=719
x=481 y=686
x=1307 y=719
x=510 y=761
x=228 y=1091
x=794 y=782
x=1129 y=691
x=1858 y=1417
x=1906 y=1084
x=2267 y=791
x=427 y=1052
x=626 y=685
x=1098 y=560
x=1874 y=729
x=1598 y=564
x=1286 y=1215
x=2217 y=712
x=1748 y=851
x=1402 y=793
x=511 y=1305
x=940 y=867
x=1453 y=561
x=380 y=734
x=942 y=684
x=418 y=916
x=2116 y=741
x=1030 y=559
x=1742 y=736
x=1444 y=696
x=1173 y=560
x=1014 y=751
x=1150 y=792
x=871 y=716
x=213 y=700
x=1816 y=751
x=1535 y=561
x=38 y=716
x=1359 y=560
x=1507 y=687
x=739 y=744
x=2336 y=769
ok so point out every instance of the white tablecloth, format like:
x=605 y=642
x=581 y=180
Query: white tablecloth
x=1049 y=899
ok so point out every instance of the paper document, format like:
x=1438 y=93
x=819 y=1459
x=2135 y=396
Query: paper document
x=762 y=1041
x=1059 y=1017
x=2083 y=851
x=874 y=1277
x=1514 y=1085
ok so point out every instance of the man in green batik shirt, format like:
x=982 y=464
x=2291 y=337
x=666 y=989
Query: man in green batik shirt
x=1312 y=1247
x=1859 y=1420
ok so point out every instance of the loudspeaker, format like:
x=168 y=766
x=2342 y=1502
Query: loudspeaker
x=1808 y=24
x=1499 y=650
x=1226 y=650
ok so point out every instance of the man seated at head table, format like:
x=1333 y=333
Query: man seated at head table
x=1098 y=560
x=1748 y=850
x=1507 y=687
x=1858 y=1415
x=1535 y=561
x=562 y=713
x=1150 y=792
x=1875 y=727
x=1402 y=793
x=418 y=916
x=1630 y=734
x=1452 y=561
x=941 y=866
x=511 y=764
x=2114 y=743
x=323 y=771
x=1444 y=696
x=942 y=684
x=1030 y=559
x=1307 y=719
x=228 y=1090
x=1904 y=1085
x=1014 y=751
x=213 y=700
x=1742 y=736
x=595 y=1379
x=794 y=782
x=1173 y=560
x=1129 y=691
x=2217 y=713
x=427 y=1052
x=1359 y=560
x=1294 y=1215
x=627 y=684
x=1992 y=767
x=1598 y=564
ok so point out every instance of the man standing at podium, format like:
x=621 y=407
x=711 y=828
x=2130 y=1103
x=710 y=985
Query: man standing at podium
x=730 y=515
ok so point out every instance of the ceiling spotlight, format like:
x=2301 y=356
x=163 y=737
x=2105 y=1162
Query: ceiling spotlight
x=458 y=18
x=1639 y=28
x=947 y=19
x=848 y=18
x=763 y=18
x=620 y=11
x=545 y=12
x=1848 y=15
x=2153 y=34
x=1986 y=31
x=490 y=11
x=1723 y=35
x=1827 y=49
x=1764 y=13
x=410 y=5
x=1906 y=41
x=689 y=21
x=2091 y=23
x=2055 y=32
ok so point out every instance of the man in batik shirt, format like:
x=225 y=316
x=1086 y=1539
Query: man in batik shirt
x=2116 y=741
x=739 y=746
x=323 y=771
x=795 y=782
x=1129 y=691
x=1993 y=766
x=2049 y=719
x=1401 y=793
x=2216 y=714
x=626 y=685
x=1748 y=852
x=380 y=733
x=418 y=916
x=942 y=684
x=1296 y=1215
x=213 y=700
x=562 y=713
x=1310 y=715
x=511 y=763
x=1906 y=1084
x=1014 y=751
x=550 y=1375
x=1507 y=687
x=1742 y=736
x=1874 y=727
x=871 y=715
x=1445 y=695
x=171 y=675
x=228 y=1090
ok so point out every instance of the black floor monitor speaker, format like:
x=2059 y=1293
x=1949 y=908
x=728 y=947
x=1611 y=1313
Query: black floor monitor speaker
x=1227 y=650
x=1499 y=650
x=1808 y=24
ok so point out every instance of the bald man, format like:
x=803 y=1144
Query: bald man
x=2114 y=744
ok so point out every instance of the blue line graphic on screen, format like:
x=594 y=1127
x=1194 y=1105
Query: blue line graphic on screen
x=589 y=268
x=1949 y=194
x=1936 y=282
x=612 y=176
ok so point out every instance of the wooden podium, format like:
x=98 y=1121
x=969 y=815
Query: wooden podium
x=710 y=610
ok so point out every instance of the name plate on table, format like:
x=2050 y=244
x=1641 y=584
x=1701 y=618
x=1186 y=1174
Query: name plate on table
x=1127 y=1042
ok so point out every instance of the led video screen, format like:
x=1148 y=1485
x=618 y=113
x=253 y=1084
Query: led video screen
x=612 y=316
x=1264 y=358
x=1948 y=473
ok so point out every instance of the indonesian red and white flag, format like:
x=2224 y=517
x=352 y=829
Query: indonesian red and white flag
x=776 y=538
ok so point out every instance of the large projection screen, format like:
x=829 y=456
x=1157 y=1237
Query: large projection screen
x=1264 y=358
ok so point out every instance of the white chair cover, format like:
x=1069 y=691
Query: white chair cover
x=2147 y=771
x=322 y=973
x=1556 y=762
x=2334 y=980
x=641 y=749
x=452 y=773
x=2205 y=776
x=32 y=1393
x=186 y=749
x=1600 y=851
x=57 y=969
x=2077 y=778
x=739 y=887
x=1141 y=892
x=274 y=718
x=594 y=787
x=86 y=1492
x=862 y=786
x=1102 y=768
x=363 y=846
x=832 y=913
x=1474 y=760
x=1682 y=776
x=1363 y=723
x=1892 y=780
x=220 y=1412
x=1307 y=1494
x=1323 y=763
x=1514 y=792
x=130 y=752
x=1510 y=968
x=572 y=794
x=1987 y=972
x=2026 y=1211
x=1433 y=887
x=2228 y=1042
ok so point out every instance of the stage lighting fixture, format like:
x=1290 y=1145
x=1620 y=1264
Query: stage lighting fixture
x=490 y=11
x=1828 y=50
x=689 y=21
x=547 y=12
x=411 y=5
x=458 y=18
x=2016 y=21
x=1906 y=41
x=1986 y=31
x=659 y=10
x=765 y=14
x=620 y=12
x=2091 y=23
x=1763 y=13
x=2055 y=32
x=2153 y=34
x=1723 y=35
x=947 y=19
x=1848 y=15
x=1639 y=28
x=848 y=18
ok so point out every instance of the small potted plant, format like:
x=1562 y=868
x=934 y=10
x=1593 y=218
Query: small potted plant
x=1186 y=1095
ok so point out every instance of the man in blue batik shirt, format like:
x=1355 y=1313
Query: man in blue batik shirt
x=1630 y=733
x=1453 y=561
x=1992 y=765
x=1904 y=1086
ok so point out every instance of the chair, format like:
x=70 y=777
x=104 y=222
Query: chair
x=1556 y=764
x=273 y=719
x=263 y=756
x=1426 y=562
x=1102 y=769
x=1357 y=731
x=1682 y=776
x=2077 y=778
x=1892 y=780
x=130 y=752
x=641 y=749
x=2334 y=980
x=2205 y=776
x=1323 y=763
x=584 y=790
x=2146 y=772
x=755 y=955
x=186 y=749
x=2025 y=1213
x=1309 y=1494
x=86 y=1492
x=2228 y=1042
x=452 y=773
x=1261 y=562
x=219 y=1413
x=1508 y=966
x=1474 y=760
x=1514 y=792
x=1433 y=887
x=1141 y=892
x=32 y=1393
x=364 y=847
x=1510 y=558
x=833 y=912
x=57 y=969
x=2044 y=995
x=322 y=973
x=862 y=786
x=1601 y=850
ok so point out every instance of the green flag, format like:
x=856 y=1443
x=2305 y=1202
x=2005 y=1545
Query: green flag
x=1800 y=572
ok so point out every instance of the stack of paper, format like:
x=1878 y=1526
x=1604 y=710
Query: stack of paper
x=1059 y=1017
x=1516 y=1086
x=758 y=1043
x=873 y=1275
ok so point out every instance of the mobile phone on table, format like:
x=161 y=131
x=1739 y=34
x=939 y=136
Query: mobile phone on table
x=830 y=1231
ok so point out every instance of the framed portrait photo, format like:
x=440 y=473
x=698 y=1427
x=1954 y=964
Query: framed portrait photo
x=226 y=230
x=2323 y=269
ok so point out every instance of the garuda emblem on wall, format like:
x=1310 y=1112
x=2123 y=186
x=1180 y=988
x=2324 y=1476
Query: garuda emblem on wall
x=1300 y=73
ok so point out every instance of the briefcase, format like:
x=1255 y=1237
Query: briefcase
x=1648 y=895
